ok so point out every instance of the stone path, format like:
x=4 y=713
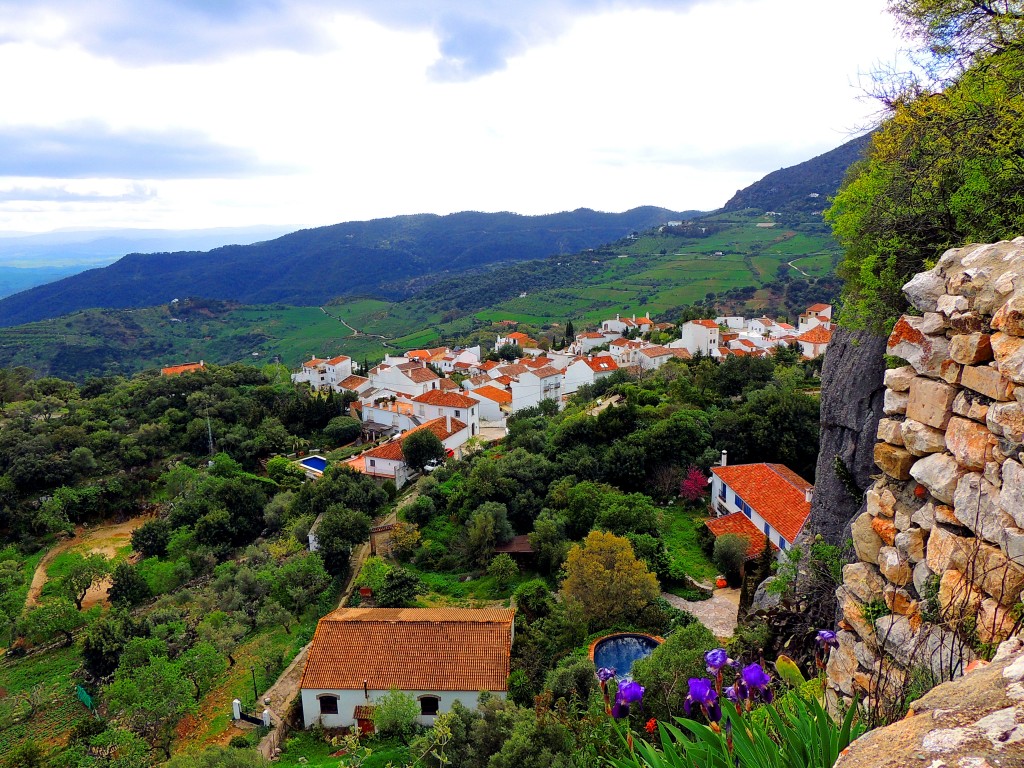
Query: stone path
x=719 y=614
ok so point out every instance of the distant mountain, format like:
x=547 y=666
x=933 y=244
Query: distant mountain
x=802 y=188
x=392 y=258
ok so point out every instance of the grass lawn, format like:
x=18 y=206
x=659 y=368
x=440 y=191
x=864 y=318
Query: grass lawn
x=680 y=535
x=303 y=748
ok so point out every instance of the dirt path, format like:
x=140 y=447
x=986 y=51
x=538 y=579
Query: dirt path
x=719 y=614
x=104 y=539
x=794 y=266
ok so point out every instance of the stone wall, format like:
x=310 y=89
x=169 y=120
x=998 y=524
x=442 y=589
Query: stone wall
x=940 y=544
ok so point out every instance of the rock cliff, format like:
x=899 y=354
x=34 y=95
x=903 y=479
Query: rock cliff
x=940 y=542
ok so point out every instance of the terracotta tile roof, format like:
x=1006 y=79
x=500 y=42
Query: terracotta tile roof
x=518 y=336
x=392 y=450
x=682 y=353
x=175 y=370
x=724 y=351
x=425 y=649
x=486 y=366
x=644 y=321
x=506 y=380
x=728 y=336
x=546 y=372
x=591 y=335
x=479 y=380
x=313 y=362
x=774 y=491
x=418 y=354
x=519 y=545
x=620 y=342
x=499 y=396
x=513 y=370
x=353 y=382
x=338 y=359
x=445 y=399
x=739 y=524
x=815 y=308
x=627 y=321
x=447 y=385
x=655 y=351
x=421 y=375
x=705 y=323
x=817 y=335
x=600 y=364
x=663 y=326
x=463 y=366
x=785 y=326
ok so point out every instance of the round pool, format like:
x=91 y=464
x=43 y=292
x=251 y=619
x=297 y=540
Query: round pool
x=619 y=651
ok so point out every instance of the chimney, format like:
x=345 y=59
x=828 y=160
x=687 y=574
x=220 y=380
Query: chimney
x=448 y=423
x=724 y=460
x=809 y=494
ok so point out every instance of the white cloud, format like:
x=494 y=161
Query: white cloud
x=598 y=104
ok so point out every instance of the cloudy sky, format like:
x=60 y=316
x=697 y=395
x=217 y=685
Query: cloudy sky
x=202 y=113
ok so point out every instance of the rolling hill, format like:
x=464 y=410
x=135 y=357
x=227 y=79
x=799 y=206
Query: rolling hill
x=391 y=258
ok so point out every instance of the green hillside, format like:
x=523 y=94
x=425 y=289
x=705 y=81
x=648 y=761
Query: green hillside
x=741 y=258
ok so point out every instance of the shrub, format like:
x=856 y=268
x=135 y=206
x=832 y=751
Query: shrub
x=395 y=715
x=504 y=569
x=729 y=556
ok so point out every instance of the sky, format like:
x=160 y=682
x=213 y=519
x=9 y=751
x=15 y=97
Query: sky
x=186 y=114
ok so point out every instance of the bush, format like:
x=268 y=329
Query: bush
x=420 y=511
x=398 y=589
x=504 y=569
x=533 y=598
x=395 y=715
x=572 y=677
x=150 y=539
x=520 y=691
x=729 y=556
x=373 y=572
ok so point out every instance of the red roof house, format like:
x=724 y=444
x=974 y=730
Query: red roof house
x=775 y=499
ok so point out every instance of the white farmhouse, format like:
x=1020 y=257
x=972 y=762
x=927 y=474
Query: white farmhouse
x=530 y=387
x=698 y=336
x=323 y=374
x=436 y=655
x=653 y=357
x=437 y=404
x=495 y=403
x=587 y=370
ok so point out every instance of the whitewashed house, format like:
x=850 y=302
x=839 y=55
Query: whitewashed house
x=698 y=336
x=815 y=315
x=587 y=370
x=732 y=322
x=815 y=341
x=652 y=357
x=495 y=403
x=530 y=387
x=323 y=374
x=387 y=462
x=775 y=499
x=436 y=655
x=411 y=378
x=437 y=404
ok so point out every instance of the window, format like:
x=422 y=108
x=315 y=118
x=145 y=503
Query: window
x=373 y=462
x=721 y=492
x=767 y=528
x=458 y=414
x=429 y=705
x=328 y=705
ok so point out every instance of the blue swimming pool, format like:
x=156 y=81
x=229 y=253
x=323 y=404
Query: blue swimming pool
x=619 y=651
x=318 y=463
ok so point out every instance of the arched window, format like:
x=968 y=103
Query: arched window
x=429 y=705
x=328 y=704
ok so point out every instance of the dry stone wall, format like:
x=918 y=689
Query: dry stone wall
x=940 y=542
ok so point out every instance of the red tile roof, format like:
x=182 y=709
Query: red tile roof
x=421 y=375
x=447 y=385
x=591 y=335
x=338 y=359
x=546 y=372
x=411 y=649
x=815 y=308
x=706 y=323
x=174 y=370
x=774 y=491
x=392 y=450
x=655 y=351
x=313 y=362
x=518 y=336
x=519 y=545
x=499 y=396
x=353 y=382
x=513 y=370
x=739 y=524
x=445 y=399
x=418 y=354
x=506 y=380
x=601 y=364
x=488 y=365
x=817 y=335
x=682 y=353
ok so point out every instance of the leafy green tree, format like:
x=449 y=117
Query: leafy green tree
x=504 y=570
x=284 y=472
x=398 y=588
x=729 y=555
x=394 y=715
x=487 y=528
x=340 y=530
x=420 y=511
x=200 y=665
x=549 y=542
x=573 y=677
x=151 y=699
x=128 y=588
x=150 y=539
x=510 y=352
x=533 y=599
x=342 y=430
x=54 y=617
x=373 y=572
x=420 y=447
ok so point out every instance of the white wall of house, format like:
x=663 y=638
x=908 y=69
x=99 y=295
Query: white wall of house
x=396 y=380
x=807 y=349
x=726 y=502
x=348 y=700
x=732 y=322
x=388 y=469
x=576 y=375
x=648 y=363
x=469 y=416
x=384 y=415
x=489 y=409
x=696 y=338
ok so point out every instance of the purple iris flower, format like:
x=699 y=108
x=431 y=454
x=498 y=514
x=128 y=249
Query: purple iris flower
x=756 y=683
x=826 y=638
x=604 y=674
x=629 y=693
x=703 y=695
x=716 y=660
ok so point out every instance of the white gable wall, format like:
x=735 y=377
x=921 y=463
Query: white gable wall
x=348 y=700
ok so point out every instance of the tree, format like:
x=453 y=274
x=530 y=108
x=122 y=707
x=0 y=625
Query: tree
x=339 y=531
x=54 y=617
x=200 y=665
x=509 y=352
x=342 y=430
x=128 y=588
x=372 y=574
x=420 y=447
x=223 y=631
x=398 y=588
x=394 y=715
x=694 y=485
x=606 y=579
x=403 y=539
x=730 y=554
x=487 y=528
x=548 y=542
x=150 y=539
x=151 y=699
x=570 y=332
x=504 y=569
x=665 y=673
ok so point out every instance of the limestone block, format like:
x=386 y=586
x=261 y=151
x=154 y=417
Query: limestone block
x=950 y=372
x=866 y=542
x=939 y=649
x=970 y=443
x=994 y=472
x=925 y=353
x=958 y=597
x=1007 y=420
x=920 y=439
x=885 y=528
x=984 y=274
x=894 y=566
x=933 y=323
x=866 y=657
x=976 y=506
x=924 y=516
x=994 y=622
x=853 y=614
x=1009 y=318
x=931 y=402
x=948 y=304
x=971 y=348
x=895 y=403
x=1009 y=354
x=924 y=289
x=997 y=575
x=967 y=322
x=970 y=405
x=939 y=473
x=1011 y=496
x=988 y=381
x=842 y=662
x=864 y=581
x=948 y=550
x=922 y=573
x=902 y=519
x=1013 y=543
x=944 y=515
x=898 y=379
x=911 y=544
x=880 y=501
x=900 y=601
x=889 y=431
x=894 y=461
